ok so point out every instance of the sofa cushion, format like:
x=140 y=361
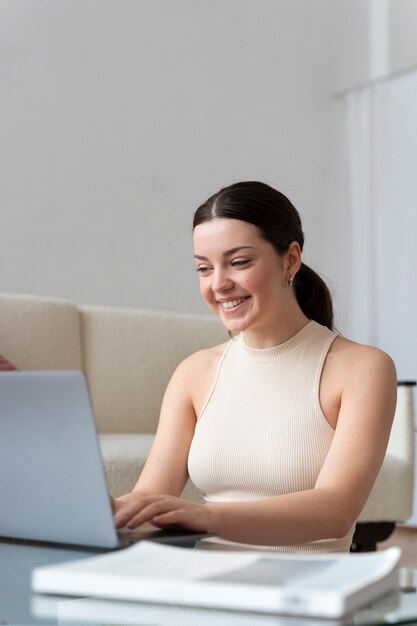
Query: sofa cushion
x=394 y=479
x=129 y=357
x=40 y=333
x=124 y=456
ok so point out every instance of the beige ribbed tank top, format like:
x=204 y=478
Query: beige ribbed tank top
x=262 y=432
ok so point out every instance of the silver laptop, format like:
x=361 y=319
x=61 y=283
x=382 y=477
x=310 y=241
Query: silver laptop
x=52 y=482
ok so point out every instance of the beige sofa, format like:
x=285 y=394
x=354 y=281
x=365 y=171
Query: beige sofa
x=128 y=357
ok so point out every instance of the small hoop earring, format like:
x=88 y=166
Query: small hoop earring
x=290 y=281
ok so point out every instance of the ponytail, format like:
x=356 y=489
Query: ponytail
x=313 y=296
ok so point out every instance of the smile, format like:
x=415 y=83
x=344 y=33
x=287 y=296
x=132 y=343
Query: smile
x=231 y=304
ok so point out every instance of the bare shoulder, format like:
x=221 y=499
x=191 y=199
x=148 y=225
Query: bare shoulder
x=197 y=373
x=201 y=363
x=355 y=359
x=354 y=369
x=357 y=378
x=202 y=360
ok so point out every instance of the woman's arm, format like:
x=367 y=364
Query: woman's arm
x=367 y=405
x=165 y=471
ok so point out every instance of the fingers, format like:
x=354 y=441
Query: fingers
x=162 y=511
x=186 y=516
x=154 y=507
x=172 y=520
x=135 y=509
x=126 y=510
x=122 y=509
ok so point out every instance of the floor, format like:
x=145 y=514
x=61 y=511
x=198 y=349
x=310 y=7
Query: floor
x=406 y=539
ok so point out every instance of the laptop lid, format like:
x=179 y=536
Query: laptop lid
x=52 y=481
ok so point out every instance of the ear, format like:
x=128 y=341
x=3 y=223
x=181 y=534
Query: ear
x=293 y=258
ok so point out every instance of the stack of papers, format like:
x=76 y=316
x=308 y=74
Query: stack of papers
x=327 y=586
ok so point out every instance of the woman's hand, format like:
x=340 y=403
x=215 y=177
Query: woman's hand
x=162 y=511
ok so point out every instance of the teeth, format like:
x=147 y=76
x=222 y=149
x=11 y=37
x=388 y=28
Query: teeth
x=231 y=303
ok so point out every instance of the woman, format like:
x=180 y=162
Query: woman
x=284 y=427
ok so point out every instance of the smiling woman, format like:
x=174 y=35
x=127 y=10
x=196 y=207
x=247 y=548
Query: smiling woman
x=246 y=285
x=265 y=425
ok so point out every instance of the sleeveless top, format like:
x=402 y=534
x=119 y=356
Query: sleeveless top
x=262 y=432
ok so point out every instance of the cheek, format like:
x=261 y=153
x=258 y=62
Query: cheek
x=205 y=292
x=269 y=289
x=253 y=284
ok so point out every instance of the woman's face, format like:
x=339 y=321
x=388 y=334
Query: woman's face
x=242 y=278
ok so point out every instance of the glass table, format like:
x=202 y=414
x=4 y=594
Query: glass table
x=18 y=605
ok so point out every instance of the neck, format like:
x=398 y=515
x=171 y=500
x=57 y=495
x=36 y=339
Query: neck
x=279 y=332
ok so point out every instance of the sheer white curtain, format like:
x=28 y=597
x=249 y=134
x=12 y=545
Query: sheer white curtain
x=395 y=193
x=371 y=232
x=371 y=229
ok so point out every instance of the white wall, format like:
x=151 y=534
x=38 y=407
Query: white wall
x=372 y=38
x=403 y=29
x=117 y=119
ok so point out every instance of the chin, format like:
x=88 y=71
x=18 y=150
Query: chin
x=235 y=327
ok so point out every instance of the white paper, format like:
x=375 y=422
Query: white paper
x=316 y=585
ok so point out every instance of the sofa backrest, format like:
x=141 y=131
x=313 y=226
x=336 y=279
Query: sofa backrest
x=39 y=333
x=129 y=356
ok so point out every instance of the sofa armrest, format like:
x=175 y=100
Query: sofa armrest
x=391 y=499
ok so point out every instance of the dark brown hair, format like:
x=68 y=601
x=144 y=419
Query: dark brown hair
x=278 y=222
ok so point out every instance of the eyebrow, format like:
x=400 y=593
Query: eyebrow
x=225 y=254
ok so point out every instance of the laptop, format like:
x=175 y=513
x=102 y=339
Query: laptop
x=52 y=483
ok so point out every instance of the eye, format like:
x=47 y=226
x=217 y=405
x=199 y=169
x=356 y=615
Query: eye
x=202 y=269
x=240 y=262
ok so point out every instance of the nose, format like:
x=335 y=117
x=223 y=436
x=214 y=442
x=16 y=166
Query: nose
x=221 y=280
